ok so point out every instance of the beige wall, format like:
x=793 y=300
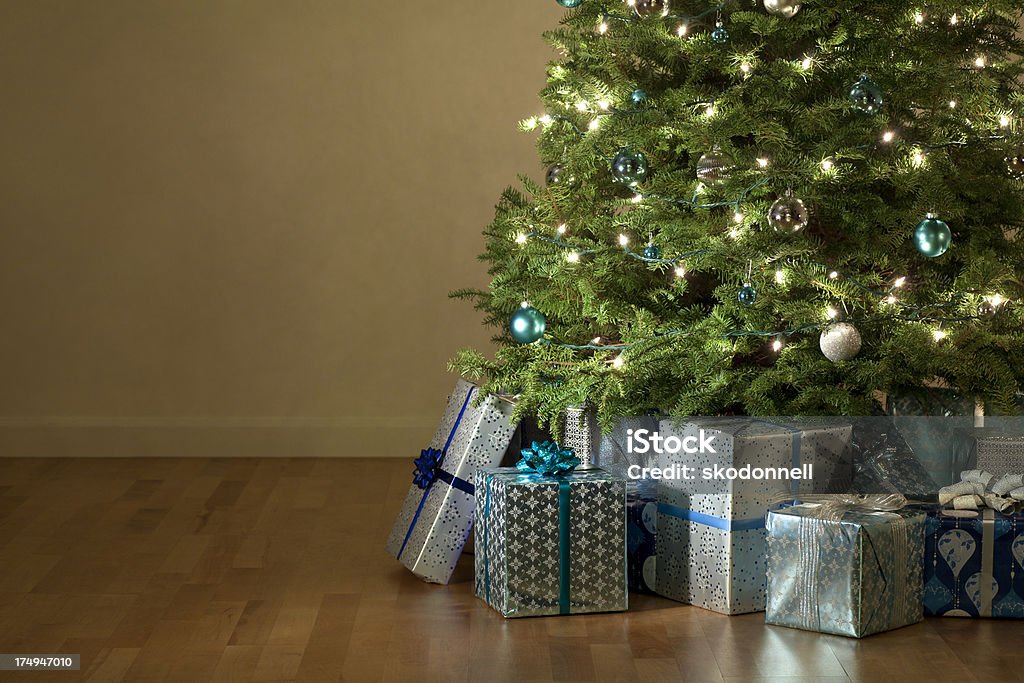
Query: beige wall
x=229 y=227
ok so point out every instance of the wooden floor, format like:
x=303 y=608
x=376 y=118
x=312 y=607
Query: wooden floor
x=274 y=570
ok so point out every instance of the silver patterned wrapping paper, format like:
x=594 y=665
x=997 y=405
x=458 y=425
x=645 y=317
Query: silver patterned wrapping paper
x=711 y=537
x=433 y=525
x=1000 y=455
x=517 y=539
x=853 y=574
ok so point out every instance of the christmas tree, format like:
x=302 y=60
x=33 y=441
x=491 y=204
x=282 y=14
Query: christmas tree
x=772 y=208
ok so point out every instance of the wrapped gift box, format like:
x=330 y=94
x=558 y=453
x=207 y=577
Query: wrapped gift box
x=611 y=452
x=999 y=451
x=437 y=515
x=974 y=564
x=711 y=536
x=849 y=572
x=884 y=462
x=550 y=544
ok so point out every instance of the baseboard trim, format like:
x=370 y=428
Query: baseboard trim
x=238 y=436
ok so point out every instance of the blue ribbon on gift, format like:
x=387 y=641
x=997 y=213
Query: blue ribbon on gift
x=544 y=462
x=750 y=523
x=428 y=471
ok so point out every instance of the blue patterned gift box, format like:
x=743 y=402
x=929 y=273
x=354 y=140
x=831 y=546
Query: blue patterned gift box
x=849 y=572
x=711 y=537
x=437 y=515
x=548 y=545
x=974 y=566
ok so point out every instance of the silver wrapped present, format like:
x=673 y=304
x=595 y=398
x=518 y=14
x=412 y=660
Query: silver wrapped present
x=550 y=545
x=850 y=572
x=999 y=454
x=437 y=515
x=711 y=534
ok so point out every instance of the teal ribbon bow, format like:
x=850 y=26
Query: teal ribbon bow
x=548 y=459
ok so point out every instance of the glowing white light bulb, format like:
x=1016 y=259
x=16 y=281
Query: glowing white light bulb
x=806 y=64
x=602 y=28
x=734 y=233
x=917 y=158
x=594 y=124
x=833 y=275
x=546 y=120
x=918 y=18
x=637 y=198
x=777 y=345
x=623 y=240
x=573 y=257
x=939 y=335
x=521 y=238
x=618 y=362
x=531 y=123
x=891 y=299
x=745 y=67
x=604 y=105
x=1004 y=121
x=827 y=165
x=979 y=62
x=997 y=300
x=738 y=217
x=763 y=162
x=954 y=20
x=900 y=281
x=710 y=111
x=952 y=104
x=680 y=271
x=780 y=277
x=562 y=229
x=832 y=313
x=582 y=105
x=888 y=136
x=595 y=340
x=681 y=30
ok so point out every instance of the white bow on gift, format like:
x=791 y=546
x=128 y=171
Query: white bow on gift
x=978 y=489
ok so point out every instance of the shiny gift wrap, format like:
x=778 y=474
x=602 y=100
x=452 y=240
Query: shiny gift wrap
x=974 y=565
x=851 y=573
x=437 y=515
x=550 y=544
x=711 y=537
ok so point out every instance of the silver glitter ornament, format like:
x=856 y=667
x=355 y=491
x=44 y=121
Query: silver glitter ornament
x=1015 y=164
x=782 y=8
x=713 y=167
x=788 y=214
x=840 y=342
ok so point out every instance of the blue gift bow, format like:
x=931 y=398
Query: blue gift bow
x=439 y=473
x=564 y=504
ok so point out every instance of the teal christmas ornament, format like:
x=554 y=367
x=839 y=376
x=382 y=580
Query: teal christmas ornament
x=652 y=252
x=866 y=96
x=638 y=96
x=548 y=458
x=747 y=295
x=629 y=167
x=720 y=35
x=932 y=237
x=527 y=325
x=569 y=3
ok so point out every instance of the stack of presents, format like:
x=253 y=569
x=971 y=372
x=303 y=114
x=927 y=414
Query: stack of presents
x=869 y=544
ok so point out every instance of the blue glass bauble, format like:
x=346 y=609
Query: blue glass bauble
x=866 y=96
x=638 y=96
x=652 y=252
x=569 y=3
x=720 y=35
x=629 y=167
x=747 y=295
x=527 y=325
x=932 y=237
